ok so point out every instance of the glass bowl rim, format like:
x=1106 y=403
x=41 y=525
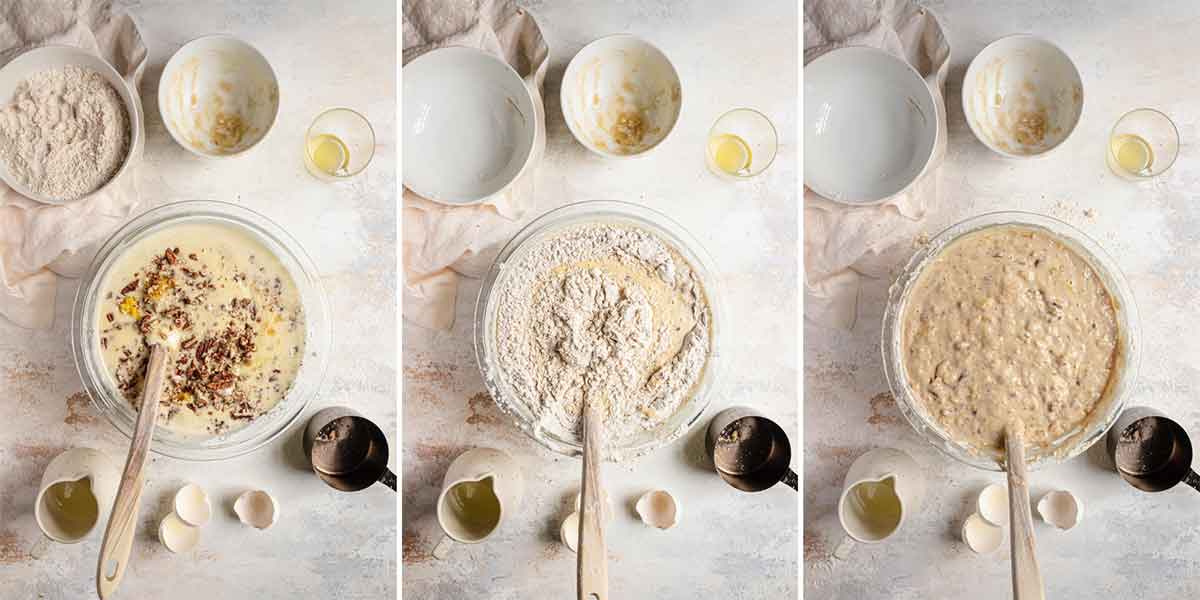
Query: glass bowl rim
x=1100 y=261
x=320 y=329
x=658 y=223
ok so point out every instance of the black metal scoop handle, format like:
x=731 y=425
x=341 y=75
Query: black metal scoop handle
x=388 y=478
x=791 y=480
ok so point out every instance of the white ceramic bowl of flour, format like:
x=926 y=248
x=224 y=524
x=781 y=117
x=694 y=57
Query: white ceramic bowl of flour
x=56 y=57
x=218 y=96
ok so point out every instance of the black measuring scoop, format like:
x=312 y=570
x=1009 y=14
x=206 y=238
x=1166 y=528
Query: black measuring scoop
x=750 y=452
x=348 y=451
x=1151 y=452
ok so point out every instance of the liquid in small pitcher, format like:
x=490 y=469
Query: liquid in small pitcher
x=875 y=508
x=475 y=506
x=71 y=507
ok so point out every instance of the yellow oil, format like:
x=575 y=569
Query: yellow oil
x=476 y=505
x=72 y=507
x=1132 y=154
x=329 y=154
x=730 y=154
x=877 y=507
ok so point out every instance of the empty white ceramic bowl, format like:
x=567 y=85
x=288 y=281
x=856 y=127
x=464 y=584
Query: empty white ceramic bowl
x=218 y=96
x=1022 y=96
x=469 y=124
x=52 y=57
x=621 y=96
x=870 y=123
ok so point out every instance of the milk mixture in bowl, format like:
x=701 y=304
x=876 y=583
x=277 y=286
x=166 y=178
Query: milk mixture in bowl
x=1009 y=326
x=601 y=313
x=229 y=312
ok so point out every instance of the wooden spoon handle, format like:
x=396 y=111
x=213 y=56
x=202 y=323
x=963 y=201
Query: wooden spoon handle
x=1026 y=575
x=118 y=535
x=593 y=552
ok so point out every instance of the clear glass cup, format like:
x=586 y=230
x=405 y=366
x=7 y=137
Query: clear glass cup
x=338 y=145
x=1143 y=144
x=741 y=144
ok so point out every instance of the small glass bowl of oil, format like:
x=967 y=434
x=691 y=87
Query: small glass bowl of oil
x=339 y=144
x=1143 y=144
x=741 y=144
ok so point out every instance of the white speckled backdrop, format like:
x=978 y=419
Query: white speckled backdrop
x=1130 y=544
x=728 y=544
x=326 y=544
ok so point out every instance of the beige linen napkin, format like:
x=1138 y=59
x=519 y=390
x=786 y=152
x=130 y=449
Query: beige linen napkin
x=442 y=243
x=38 y=241
x=843 y=245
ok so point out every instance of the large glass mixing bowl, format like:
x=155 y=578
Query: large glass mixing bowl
x=1128 y=348
x=620 y=213
x=99 y=383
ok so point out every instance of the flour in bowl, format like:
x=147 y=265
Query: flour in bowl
x=602 y=313
x=65 y=133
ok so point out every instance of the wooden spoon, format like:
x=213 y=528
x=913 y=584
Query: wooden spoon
x=593 y=553
x=1026 y=575
x=118 y=536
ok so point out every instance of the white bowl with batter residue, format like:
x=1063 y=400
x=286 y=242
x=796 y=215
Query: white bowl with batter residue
x=218 y=96
x=1022 y=96
x=621 y=96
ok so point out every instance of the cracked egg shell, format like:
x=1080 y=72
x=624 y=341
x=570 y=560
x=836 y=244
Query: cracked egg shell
x=992 y=504
x=606 y=510
x=1061 y=509
x=177 y=535
x=658 y=509
x=257 y=509
x=980 y=536
x=192 y=505
x=569 y=531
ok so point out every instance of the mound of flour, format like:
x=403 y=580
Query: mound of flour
x=65 y=133
x=576 y=322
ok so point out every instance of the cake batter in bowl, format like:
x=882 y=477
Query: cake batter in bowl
x=1005 y=316
x=606 y=302
x=243 y=310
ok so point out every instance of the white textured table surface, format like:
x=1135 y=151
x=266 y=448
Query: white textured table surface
x=728 y=544
x=1130 y=544
x=326 y=544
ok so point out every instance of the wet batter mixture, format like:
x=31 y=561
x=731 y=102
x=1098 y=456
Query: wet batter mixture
x=1009 y=325
x=229 y=313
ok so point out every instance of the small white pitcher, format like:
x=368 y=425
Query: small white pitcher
x=77 y=490
x=481 y=487
x=882 y=488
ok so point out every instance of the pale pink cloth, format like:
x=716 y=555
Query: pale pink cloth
x=844 y=245
x=40 y=242
x=442 y=243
